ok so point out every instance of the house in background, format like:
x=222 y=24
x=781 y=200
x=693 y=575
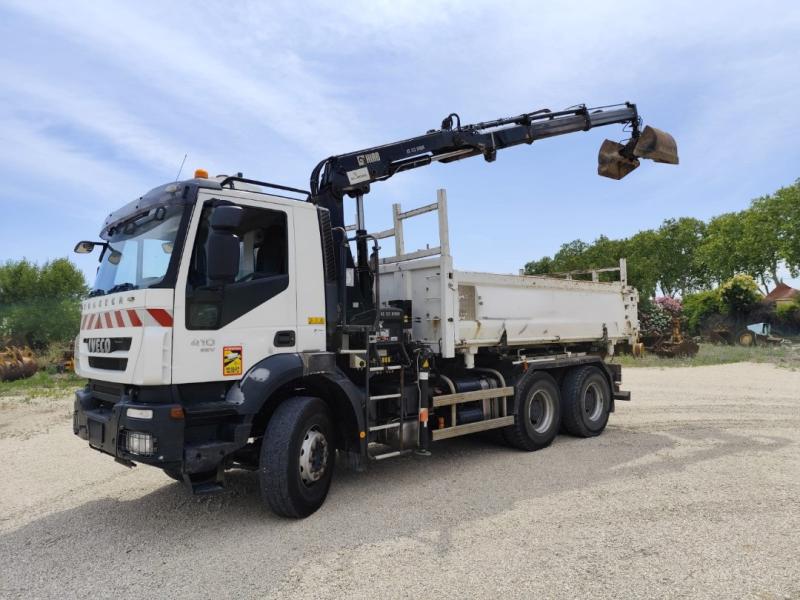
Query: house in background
x=782 y=294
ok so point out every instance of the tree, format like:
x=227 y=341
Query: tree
x=786 y=203
x=644 y=270
x=40 y=305
x=543 y=266
x=678 y=241
x=718 y=256
x=686 y=255
x=571 y=257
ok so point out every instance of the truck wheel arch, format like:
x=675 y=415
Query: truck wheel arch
x=277 y=377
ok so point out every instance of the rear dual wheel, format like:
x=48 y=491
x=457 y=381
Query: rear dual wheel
x=585 y=401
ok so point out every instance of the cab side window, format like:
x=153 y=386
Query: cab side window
x=263 y=269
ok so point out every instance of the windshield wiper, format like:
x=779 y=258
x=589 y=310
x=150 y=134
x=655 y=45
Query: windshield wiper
x=123 y=287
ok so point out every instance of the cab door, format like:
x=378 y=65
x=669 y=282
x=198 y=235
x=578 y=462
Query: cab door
x=223 y=328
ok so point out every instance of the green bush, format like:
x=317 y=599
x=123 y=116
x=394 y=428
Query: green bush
x=788 y=314
x=739 y=294
x=698 y=307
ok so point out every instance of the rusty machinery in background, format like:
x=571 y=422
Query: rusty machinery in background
x=675 y=345
x=17 y=363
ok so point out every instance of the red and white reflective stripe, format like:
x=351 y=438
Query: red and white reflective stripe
x=130 y=317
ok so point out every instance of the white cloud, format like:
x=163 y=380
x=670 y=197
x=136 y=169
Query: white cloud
x=269 y=88
x=37 y=157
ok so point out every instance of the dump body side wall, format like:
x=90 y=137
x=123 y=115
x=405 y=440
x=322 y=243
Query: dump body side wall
x=542 y=310
x=458 y=310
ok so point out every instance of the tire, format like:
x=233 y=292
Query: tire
x=174 y=474
x=585 y=401
x=746 y=338
x=537 y=411
x=297 y=457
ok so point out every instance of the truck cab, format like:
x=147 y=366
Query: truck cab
x=198 y=283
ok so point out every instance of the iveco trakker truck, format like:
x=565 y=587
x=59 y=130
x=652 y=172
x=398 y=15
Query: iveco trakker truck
x=231 y=326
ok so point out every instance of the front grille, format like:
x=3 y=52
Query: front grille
x=109 y=363
x=106 y=391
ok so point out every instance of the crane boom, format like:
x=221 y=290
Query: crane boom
x=352 y=173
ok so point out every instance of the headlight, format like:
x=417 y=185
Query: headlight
x=137 y=442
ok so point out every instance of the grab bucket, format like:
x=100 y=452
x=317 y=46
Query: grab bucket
x=657 y=145
x=612 y=164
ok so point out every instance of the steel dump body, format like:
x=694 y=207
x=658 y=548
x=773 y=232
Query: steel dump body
x=461 y=311
x=465 y=310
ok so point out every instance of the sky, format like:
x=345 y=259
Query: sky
x=99 y=103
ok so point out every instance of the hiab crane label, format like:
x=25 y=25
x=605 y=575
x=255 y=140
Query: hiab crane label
x=232 y=360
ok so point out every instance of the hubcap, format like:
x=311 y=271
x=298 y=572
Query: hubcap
x=593 y=402
x=541 y=411
x=313 y=456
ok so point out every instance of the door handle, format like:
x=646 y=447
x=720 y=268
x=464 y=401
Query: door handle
x=284 y=339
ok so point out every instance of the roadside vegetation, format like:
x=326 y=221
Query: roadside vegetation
x=42 y=384
x=717 y=354
x=686 y=255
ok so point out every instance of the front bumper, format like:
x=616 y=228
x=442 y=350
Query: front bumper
x=106 y=425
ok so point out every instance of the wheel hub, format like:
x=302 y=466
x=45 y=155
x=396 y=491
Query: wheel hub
x=541 y=411
x=593 y=402
x=313 y=456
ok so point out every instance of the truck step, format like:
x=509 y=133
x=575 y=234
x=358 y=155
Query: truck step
x=352 y=351
x=385 y=426
x=386 y=368
x=390 y=454
x=207 y=487
x=384 y=397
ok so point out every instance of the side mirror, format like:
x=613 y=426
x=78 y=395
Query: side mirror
x=84 y=247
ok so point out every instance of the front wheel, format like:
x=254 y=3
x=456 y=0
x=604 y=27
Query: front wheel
x=296 y=463
x=536 y=407
x=585 y=401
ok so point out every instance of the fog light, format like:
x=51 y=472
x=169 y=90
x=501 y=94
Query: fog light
x=143 y=444
x=140 y=413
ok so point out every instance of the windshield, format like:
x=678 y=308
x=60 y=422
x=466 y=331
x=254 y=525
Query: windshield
x=139 y=251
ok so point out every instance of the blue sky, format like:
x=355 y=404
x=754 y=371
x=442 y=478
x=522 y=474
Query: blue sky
x=99 y=102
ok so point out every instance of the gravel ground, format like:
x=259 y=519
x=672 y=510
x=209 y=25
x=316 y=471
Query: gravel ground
x=693 y=490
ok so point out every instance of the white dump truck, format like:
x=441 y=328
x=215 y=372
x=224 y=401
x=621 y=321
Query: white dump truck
x=230 y=325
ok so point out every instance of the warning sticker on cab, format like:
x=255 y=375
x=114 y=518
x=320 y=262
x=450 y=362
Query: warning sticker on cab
x=232 y=360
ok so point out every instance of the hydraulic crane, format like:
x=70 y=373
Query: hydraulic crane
x=215 y=336
x=352 y=174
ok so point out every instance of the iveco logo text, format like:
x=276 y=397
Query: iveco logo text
x=99 y=345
